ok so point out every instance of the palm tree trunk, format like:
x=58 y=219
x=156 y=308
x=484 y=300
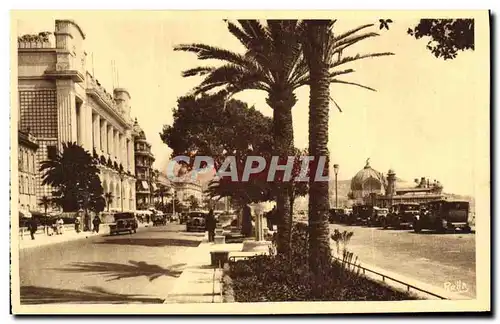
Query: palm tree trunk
x=319 y=243
x=282 y=103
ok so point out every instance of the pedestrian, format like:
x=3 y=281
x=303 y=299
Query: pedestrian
x=97 y=223
x=77 y=224
x=33 y=227
x=246 y=220
x=210 y=224
x=270 y=218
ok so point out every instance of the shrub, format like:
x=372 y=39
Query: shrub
x=285 y=278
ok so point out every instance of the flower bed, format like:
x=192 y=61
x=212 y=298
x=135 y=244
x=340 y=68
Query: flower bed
x=274 y=278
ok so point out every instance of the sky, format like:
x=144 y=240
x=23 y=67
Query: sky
x=426 y=119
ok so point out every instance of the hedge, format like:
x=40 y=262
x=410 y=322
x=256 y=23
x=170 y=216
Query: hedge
x=275 y=278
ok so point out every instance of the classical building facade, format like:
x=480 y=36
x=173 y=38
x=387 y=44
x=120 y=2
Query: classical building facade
x=59 y=101
x=27 y=172
x=146 y=179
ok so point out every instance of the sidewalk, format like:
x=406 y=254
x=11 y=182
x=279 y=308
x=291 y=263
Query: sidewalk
x=200 y=282
x=42 y=239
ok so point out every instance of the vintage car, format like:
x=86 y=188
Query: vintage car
x=336 y=215
x=123 y=222
x=401 y=215
x=159 y=218
x=378 y=214
x=443 y=215
x=195 y=221
x=361 y=214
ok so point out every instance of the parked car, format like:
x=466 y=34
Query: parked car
x=401 y=215
x=195 y=221
x=337 y=215
x=124 y=222
x=379 y=214
x=442 y=215
x=361 y=214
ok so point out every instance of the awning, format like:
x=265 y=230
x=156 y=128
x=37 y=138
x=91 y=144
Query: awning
x=153 y=185
x=145 y=185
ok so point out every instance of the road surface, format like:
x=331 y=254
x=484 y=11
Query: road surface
x=436 y=259
x=128 y=268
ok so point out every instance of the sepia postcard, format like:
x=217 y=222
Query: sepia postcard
x=250 y=162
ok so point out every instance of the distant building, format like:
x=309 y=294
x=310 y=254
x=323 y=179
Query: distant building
x=186 y=187
x=164 y=187
x=28 y=170
x=369 y=186
x=146 y=183
x=59 y=101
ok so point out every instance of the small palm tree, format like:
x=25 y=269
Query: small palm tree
x=109 y=199
x=45 y=202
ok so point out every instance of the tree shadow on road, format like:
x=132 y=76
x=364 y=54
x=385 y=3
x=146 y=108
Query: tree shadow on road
x=150 y=242
x=33 y=295
x=117 y=271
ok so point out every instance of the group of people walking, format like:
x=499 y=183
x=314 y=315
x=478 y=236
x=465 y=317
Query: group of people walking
x=57 y=228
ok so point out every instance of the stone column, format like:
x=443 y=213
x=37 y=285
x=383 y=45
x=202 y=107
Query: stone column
x=66 y=112
x=88 y=132
x=116 y=144
x=122 y=152
x=97 y=132
x=110 y=140
x=104 y=136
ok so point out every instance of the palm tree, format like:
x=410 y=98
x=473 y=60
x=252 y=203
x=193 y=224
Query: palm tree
x=317 y=40
x=74 y=175
x=109 y=199
x=273 y=62
x=45 y=202
x=162 y=192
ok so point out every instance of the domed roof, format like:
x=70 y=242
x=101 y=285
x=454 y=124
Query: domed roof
x=138 y=131
x=365 y=174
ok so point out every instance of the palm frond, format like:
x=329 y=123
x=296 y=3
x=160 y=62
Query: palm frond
x=352 y=83
x=348 y=59
x=202 y=70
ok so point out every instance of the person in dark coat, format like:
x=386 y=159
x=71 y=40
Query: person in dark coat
x=96 y=222
x=33 y=227
x=246 y=220
x=210 y=224
x=270 y=216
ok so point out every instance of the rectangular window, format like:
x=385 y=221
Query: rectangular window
x=51 y=152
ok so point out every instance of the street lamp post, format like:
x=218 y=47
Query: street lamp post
x=336 y=170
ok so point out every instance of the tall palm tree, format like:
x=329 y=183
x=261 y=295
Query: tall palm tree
x=273 y=62
x=317 y=39
x=323 y=51
x=109 y=199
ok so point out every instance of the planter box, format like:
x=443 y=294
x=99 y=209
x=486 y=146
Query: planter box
x=219 y=258
x=219 y=239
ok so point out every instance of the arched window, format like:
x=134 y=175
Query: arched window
x=20 y=160
x=33 y=185
x=25 y=168
x=26 y=185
